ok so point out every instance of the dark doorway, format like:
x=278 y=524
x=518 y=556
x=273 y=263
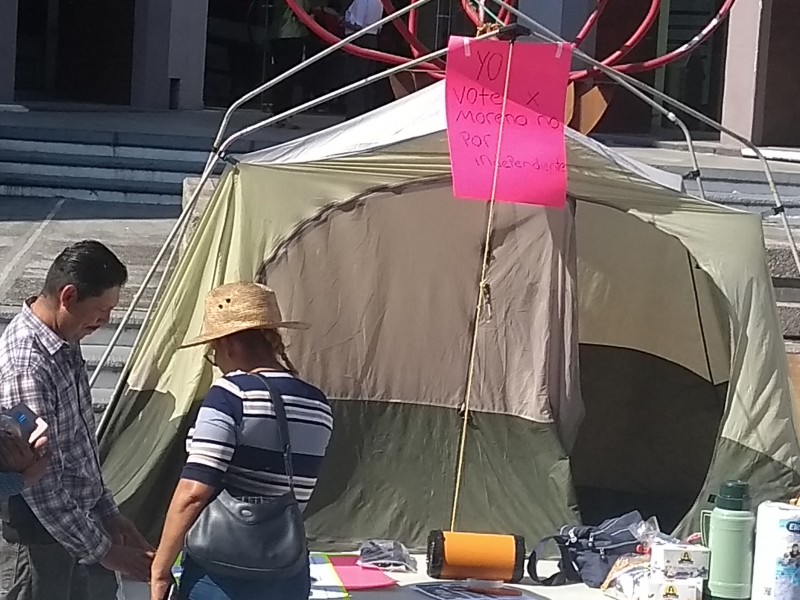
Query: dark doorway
x=75 y=50
x=648 y=437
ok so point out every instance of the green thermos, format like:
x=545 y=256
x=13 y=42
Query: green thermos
x=728 y=531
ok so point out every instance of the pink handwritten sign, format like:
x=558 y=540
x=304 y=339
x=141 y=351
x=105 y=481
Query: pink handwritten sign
x=531 y=163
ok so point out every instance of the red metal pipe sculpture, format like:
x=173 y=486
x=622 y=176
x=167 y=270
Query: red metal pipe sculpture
x=327 y=37
x=470 y=12
x=417 y=47
x=644 y=27
x=678 y=53
x=591 y=21
x=412 y=27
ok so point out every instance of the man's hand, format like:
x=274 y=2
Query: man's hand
x=134 y=562
x=36 y=471
x=124 y=533
x=16 y=455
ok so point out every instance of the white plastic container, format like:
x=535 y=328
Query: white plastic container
x=776 y=571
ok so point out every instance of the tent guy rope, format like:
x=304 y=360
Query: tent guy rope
x=482 y=283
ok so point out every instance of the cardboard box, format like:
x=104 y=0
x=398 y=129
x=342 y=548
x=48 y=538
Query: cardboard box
x=679 y=561
x=658 y=588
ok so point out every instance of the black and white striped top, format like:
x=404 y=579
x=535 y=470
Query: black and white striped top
x=235 y=443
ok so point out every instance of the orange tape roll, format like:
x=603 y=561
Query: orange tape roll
x=458 y=556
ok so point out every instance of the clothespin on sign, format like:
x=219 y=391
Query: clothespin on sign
x=487 y=28
x=506 y=33
x=510 y=33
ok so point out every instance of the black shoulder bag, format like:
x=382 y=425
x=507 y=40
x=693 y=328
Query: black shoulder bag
x=587 y=552
x=253 y=540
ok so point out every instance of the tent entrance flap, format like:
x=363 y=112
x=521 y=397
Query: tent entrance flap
x=653 y=345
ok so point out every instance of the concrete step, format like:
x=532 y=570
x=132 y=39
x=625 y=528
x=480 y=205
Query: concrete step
x=138 y=160
x=115 y=362
x=195 y=143
x=743 y=188
x=25 y=188
x=102 y=150
x=753 y=174
x=100 y=399
x=112 y=179
x=751 y=197
x=789 y=313
x=95 y=167
x=785 y=277
x=102 y=336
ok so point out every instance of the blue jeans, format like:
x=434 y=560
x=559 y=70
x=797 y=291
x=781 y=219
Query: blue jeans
x=196 y=584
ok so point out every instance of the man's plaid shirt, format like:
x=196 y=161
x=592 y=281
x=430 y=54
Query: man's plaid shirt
x=42 y=370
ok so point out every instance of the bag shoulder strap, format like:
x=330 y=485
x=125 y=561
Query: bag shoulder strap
x=283 y=426
x=567 y=573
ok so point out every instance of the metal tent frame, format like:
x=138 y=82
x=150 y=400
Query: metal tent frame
x=653 y=97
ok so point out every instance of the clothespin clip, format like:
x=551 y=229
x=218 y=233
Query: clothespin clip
x=487 y=28
x=510 y=33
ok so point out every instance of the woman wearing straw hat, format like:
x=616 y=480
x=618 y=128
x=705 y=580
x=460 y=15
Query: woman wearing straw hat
x=241 y=464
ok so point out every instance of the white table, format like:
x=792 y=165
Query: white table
x=140 y=591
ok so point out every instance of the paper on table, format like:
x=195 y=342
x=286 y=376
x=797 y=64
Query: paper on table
x=452 y=591
x=325 y=583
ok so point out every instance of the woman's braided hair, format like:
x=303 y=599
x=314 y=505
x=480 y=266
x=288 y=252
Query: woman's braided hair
x=275 y=340
x=273 y=336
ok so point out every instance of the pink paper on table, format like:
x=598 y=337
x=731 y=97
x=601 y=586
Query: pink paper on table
x=532 y=166
x=355 y=577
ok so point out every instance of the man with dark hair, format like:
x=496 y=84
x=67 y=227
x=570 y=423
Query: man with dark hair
x=68 y=519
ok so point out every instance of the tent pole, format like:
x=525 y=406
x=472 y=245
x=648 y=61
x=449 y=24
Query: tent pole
x=695 y=174
x=105 y=417
x=629 y=83
x=156 y=294
x=179 y=226
x=307 y=63
x=347 y=89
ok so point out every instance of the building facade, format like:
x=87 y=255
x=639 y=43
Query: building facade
x=189 y=54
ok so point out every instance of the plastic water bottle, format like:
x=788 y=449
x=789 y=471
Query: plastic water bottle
x=728 y=531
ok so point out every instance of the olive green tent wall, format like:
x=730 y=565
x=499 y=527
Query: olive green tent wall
x=649 y=312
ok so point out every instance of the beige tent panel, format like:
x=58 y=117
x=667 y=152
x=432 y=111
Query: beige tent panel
x=674 y=316
x=390 y=324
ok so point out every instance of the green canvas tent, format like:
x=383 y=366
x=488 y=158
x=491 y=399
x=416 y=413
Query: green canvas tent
x=630 y=355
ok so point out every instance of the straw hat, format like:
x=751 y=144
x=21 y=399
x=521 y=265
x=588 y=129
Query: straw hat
x=236 y=307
